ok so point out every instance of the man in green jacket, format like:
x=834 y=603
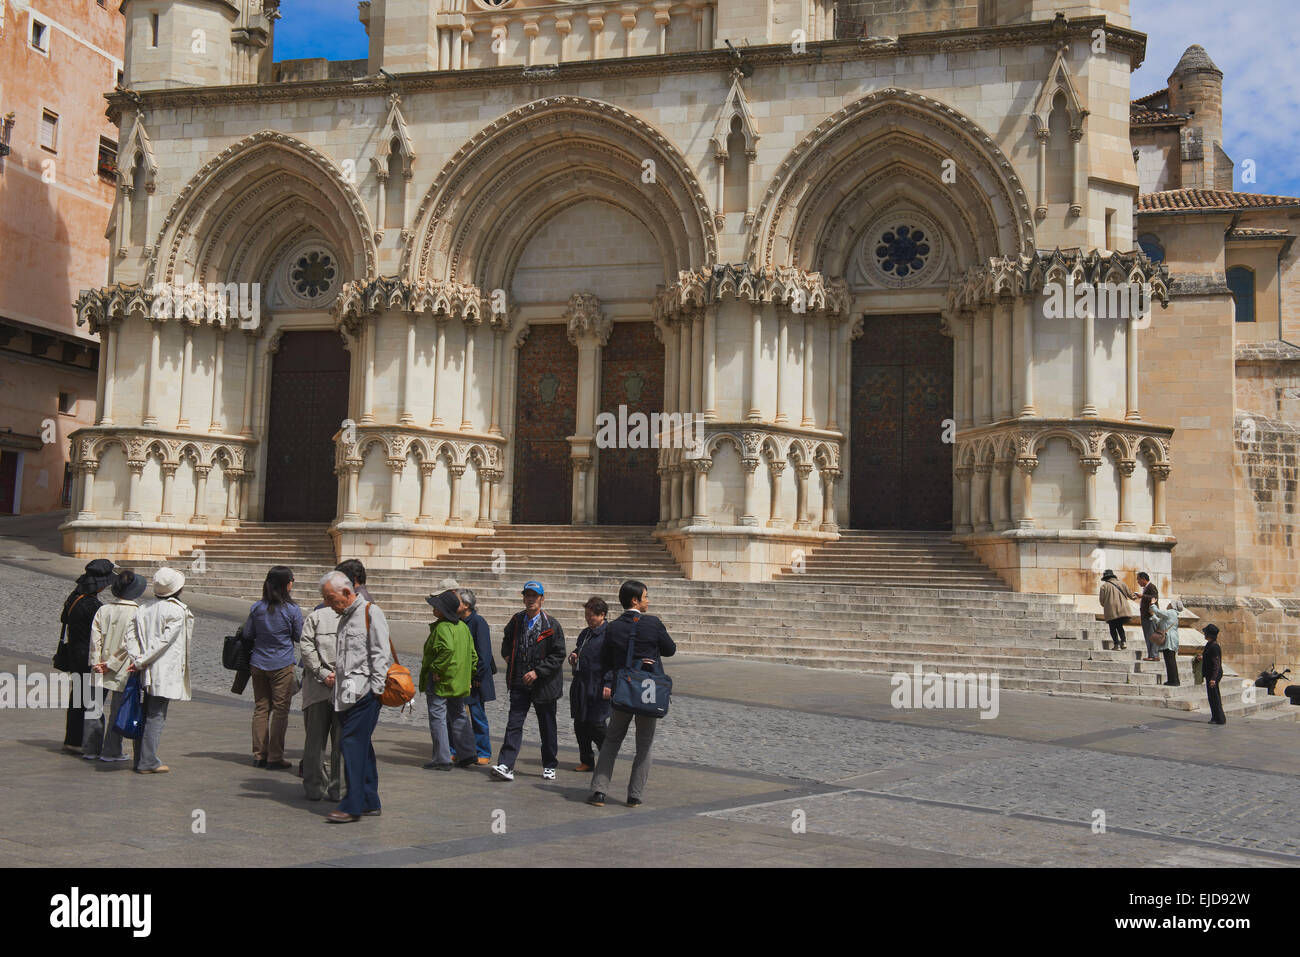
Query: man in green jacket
x=450 y=662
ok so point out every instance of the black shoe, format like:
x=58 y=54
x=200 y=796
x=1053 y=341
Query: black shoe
x=373 y=812
x=633 y=802
x=259 y=762
x=437 y=766
x=597 y=799
x=466 y=762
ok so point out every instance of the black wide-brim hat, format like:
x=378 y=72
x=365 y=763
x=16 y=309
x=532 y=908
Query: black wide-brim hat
x=134 y=588
x=97 y=577
x=1107 y=574
x=447 y=602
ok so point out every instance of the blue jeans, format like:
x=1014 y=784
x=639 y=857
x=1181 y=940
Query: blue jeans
x=358 y=728
x=478 y=718
x=447 y=719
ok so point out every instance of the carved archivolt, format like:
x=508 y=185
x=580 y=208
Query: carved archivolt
x=450 y=241
x=798 y=203
x=776 y=448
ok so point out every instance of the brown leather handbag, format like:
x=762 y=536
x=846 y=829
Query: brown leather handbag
x=399 y=688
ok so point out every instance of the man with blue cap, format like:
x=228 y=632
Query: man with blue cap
x=533 y=648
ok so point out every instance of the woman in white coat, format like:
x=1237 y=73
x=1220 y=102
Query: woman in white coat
x=114 y=621
x=161 y=649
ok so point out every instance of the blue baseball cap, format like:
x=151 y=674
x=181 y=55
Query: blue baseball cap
x=534 y=586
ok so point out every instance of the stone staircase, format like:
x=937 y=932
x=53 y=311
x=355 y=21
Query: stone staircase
x=1039 y=643
x=888 y=558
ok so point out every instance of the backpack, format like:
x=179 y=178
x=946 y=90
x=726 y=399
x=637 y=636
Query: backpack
x=399 y=688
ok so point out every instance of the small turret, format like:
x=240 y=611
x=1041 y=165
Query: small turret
x=1196 y=89
x=172 y=43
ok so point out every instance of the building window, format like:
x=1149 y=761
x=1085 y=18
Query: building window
x=49 y=131
x=107 y=163
x=153 y=38
x=902 y=250
x=1110 y=230
x=313 y=275
x=1241 y=282
x=1152 y=248
x=40 y=36
x=65 y=500
x=67 y=403
x=120 y=77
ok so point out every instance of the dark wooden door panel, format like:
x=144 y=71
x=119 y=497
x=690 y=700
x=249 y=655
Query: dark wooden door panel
x=545 y=416
x=8 y=483
x=632 y=374
x=309 y=401
x=901 y=470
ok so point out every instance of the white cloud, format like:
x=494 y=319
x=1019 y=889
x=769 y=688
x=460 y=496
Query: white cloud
x=1254 y=43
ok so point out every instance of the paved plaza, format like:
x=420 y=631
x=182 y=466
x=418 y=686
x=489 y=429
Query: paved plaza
x=757 y=764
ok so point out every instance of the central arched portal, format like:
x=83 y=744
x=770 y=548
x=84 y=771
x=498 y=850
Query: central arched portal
x=309 y=401
x=900 y=466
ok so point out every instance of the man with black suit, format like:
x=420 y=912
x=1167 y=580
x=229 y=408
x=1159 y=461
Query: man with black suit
x=1212 y=671
x=650 y=643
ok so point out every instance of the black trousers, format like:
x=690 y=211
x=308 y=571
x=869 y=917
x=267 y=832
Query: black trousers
x=520 y=703
x=589 y=734
x=1117 y=636
x=1216 y=702
x=1171 y=667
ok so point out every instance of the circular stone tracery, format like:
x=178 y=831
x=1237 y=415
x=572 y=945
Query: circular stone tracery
x=313 y=274
x=903 y=250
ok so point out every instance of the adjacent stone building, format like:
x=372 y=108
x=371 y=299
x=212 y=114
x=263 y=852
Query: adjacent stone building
x=57 y=172
x=837 y=234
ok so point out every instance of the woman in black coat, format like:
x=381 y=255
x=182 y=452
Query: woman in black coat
x=587 y=704
x=78 y=615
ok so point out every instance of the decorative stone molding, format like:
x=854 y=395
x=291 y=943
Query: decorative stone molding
x=170 y=448
x=708 y=285
x=584 y=318
x=429 y=445
x=442 y=300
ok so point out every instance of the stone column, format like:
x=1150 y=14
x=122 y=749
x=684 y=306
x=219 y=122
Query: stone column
x=688 y=492
x=782 y=345
x=151 y=373
x=665 y=501
x=133 y=492
x=697 y=363
x=407 y=417
x=1006 y=407
x=1088 y=410
x=370 y=332
x=1089 y=465
x=201 y=495
x=829 y=523
x=453 y=508
x=1027 y=409
x=834 y=336
x=484 y=497
x=1026 y=467
x=984 y=413
x=1001 y=492
x=969 y=413
x=751 y=491
x=396 y=468
x=250 y=382
x=439 y=357
x=110 y=374
x=1076 y=171
x=980 y=488
x=466 y=386
x=700 y=514
x=218 y=373
x=710 y=360
x=775 y=471
x=169 y=476
x=578 y=504
x=1131 y=413
x=88 y=470
x=684 y=362
x=233 y=478
x=670 y=332
x=1042 y=136
x=426 y=492
x=754 y=412
x=1159 y=524
x=802 y=471
x=675 y=497
x=1125 y=523
x=964 y=493
x=498 y=335
x=353 y=472
x=807 y=421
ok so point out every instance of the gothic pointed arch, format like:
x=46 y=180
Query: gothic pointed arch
x=258 y=195
x=554 y=153
x=1060 y=80
x=137 y=144
x=928 y=155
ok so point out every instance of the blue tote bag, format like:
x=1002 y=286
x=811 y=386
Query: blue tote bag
x=129 y=720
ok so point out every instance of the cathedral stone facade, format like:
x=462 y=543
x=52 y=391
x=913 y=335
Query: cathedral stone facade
x=831 y=240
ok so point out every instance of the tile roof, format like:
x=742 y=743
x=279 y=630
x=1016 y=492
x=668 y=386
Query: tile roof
x=1143 y=115
x=1192 y=200
x=1151 y=96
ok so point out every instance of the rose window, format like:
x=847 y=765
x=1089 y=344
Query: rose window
x=902 y=250
x=313 y=275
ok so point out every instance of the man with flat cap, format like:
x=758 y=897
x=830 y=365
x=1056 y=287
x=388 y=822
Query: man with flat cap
x=533 y=648
x=450 y=662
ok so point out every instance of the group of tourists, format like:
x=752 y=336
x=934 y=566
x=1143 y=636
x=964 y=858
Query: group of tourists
x=1160 y=633
x=346 y=655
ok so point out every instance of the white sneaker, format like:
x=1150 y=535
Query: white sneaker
x=502 y=773
x=125 y=757
x=548 y=773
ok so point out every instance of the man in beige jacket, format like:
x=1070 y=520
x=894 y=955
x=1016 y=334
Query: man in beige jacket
x=1114 y=598
x=160 y=648
x=114 y=621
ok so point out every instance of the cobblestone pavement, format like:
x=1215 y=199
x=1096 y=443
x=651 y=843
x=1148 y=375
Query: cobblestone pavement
x=899 y=791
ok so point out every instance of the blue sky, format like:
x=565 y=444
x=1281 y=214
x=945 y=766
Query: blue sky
x=1256 y=43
